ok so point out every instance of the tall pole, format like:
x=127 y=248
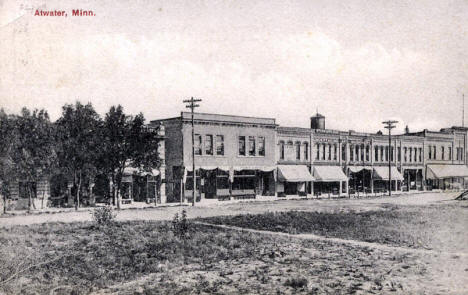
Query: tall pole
x=389 y=125
x=463 y=109
x=191 y=104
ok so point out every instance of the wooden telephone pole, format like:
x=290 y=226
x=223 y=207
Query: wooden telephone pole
x=192 y=104
x=389 y=125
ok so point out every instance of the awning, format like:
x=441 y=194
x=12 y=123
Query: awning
x=136 y=171
x=260 y=168
x=294 y=173
x=382 y=173
x=355 y=169
x=446 y=171
x=329 y=174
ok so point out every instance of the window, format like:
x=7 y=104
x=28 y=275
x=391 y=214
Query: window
x=362 y=152
x=461 y=154
x=357 y=152
x=442 y=152
x=458 y=153
x=323 y=154
x=386 y=153
x=198 y=144
x=317 y=156
x=251 y=146
x=261 y=146
x=306 y=151
x=367 y=153
x=376 y=156
x=381 y=153
x=391 y=153
x=329 y=152
x=208 y=144
x=430 y=152
x=343 y=152
x=405 y=151
x=450 y=153
x=220 y=145
x=281 y=150
x=411 y=154
x=399 y=154
x=420 y=154
x=435 y=153
x=335 y=151
x=351 y=152
x=298 y=150
x=241 y=145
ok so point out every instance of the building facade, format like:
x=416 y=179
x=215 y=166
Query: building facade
x=240 y=157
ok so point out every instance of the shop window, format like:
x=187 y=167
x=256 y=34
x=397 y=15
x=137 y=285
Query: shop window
x=306 y=151
x=241 y=145
x=298 y=150
x=261 y=146
x=251 y=146
x=198 y=144
x=222 y=180
x=220 y=145
x=209 y=144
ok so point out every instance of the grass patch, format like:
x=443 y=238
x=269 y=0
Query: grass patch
x=437 y=227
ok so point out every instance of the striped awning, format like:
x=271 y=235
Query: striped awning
x=355 y=169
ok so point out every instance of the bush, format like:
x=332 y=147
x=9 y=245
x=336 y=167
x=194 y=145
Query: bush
x=104 y=215
x=297 y=283
x=180 y=225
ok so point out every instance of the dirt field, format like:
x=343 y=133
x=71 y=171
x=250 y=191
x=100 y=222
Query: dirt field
x=366 y=246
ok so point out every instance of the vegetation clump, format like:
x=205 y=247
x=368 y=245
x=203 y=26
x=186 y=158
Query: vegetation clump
x=180 y=225
x=104 y=215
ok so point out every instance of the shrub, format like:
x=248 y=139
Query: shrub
x=180 y=225
x=104 y=215
x=297 y=283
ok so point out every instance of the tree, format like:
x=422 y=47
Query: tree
x=78 y=144
x=127 y=141
x=6 y=165
x=32 y=149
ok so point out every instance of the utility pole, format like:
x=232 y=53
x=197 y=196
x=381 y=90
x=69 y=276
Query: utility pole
x=389 y=125
x=192 y=104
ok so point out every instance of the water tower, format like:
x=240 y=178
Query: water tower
x=317 y=122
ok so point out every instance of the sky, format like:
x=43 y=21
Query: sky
x=356 y=62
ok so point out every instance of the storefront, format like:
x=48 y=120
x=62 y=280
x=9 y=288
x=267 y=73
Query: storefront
x=381 y=178
x=447 y=177
x=329 y=180
x=360 y=179
x=293 y=179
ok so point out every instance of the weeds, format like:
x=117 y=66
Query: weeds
x=180 y=225
x=296 y=283
x=104 y=215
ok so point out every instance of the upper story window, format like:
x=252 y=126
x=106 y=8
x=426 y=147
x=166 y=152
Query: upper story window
x=356 y=148
x=281 y=150
x=386 y=153
x=261 y=146
x=241 y=145
x=208 y=144
x=435 y=153
x=381 y=153
x=329 y=152
x=335 y=151
x=430 y=152
x=461 y=154
x=298 y=150
x=351 y=152
x=411 y=154
x=399 y=154
x=197 y=144
x=362 y=152
x=442 y=152
x=343 y=152
x=450 y=153
x=317 y=155
x=324 y=151
x=251 y=146
x=405 y=153
x=220 y=145
x=420 y=154
x=367 y=152
x=306 y=151
x=391 y=153
x=376 y=156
